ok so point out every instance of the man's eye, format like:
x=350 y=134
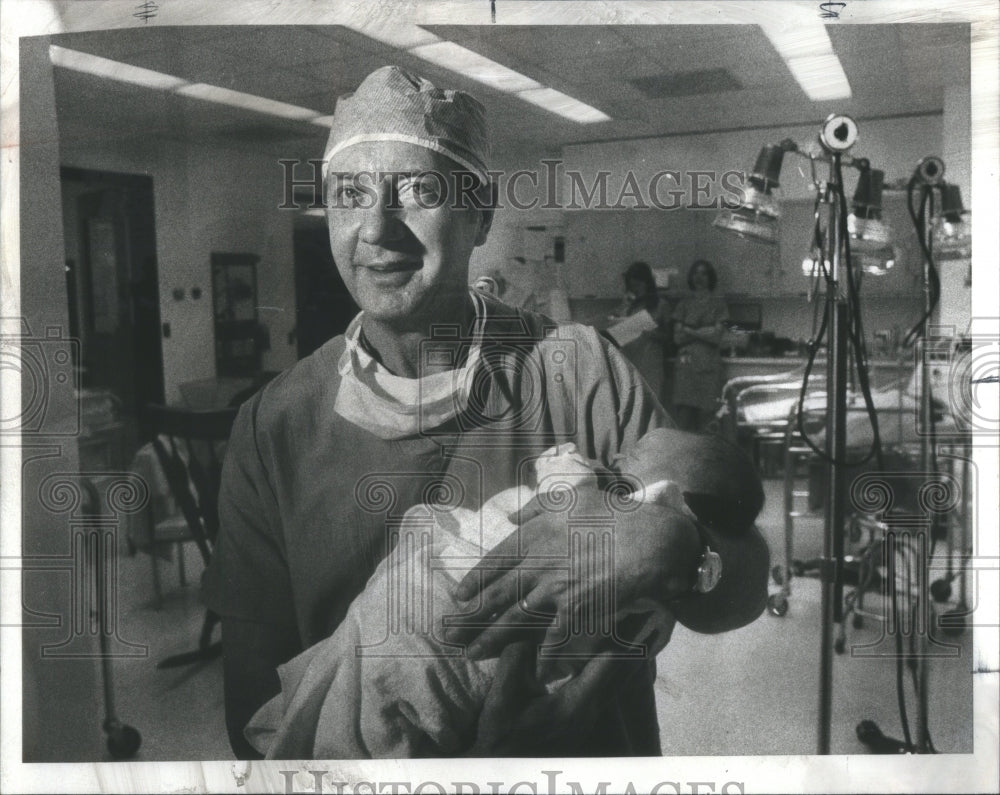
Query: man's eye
x=425 y=191
x=348 y=193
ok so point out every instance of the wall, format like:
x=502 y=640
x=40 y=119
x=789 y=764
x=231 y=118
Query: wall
x=601 y=243
x=527 y=283
x=956 y=290
x=674 y=238
x=61 y=706
x=209 y=198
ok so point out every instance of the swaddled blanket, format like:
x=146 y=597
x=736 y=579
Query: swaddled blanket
x=385 y=684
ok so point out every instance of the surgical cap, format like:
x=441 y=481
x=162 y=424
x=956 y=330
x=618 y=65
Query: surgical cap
x=394 y=105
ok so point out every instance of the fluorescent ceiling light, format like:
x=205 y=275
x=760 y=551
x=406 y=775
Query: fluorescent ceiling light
x=463 y=61
x=471 y=64
x=799 y=40
x=821 y=77
x=113 y=70
x=563 y=105
x=238 y=99
x=805 y=47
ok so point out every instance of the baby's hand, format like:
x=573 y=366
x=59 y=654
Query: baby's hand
x=665 y=493
x=564 y=465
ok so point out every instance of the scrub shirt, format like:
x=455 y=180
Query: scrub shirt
x=309 y=499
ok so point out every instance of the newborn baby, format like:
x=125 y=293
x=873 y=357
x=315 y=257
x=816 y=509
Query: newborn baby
x=385 y=684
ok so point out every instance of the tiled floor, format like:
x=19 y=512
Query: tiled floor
x=753 y=691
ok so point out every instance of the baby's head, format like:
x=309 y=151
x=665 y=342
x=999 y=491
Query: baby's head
x=717 y=479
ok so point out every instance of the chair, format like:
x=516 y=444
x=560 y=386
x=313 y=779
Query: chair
x=188 y=444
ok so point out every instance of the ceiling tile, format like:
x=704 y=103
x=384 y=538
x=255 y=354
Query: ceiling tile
x=893 y=69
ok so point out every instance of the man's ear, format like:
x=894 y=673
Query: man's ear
x=485 y=224
x=486 y=213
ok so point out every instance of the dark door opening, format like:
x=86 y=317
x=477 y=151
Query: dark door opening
x=112 y=284
x=323 y=306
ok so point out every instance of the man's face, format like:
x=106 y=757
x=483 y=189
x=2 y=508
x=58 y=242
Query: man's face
x=404 y=259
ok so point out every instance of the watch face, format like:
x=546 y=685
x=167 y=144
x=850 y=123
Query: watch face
x=710 y=571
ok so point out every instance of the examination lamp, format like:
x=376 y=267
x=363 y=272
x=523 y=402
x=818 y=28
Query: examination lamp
x=758 y=213
x=951 y=233
x=871 y=237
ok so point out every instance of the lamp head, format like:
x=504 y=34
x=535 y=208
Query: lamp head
x=951 y=202
x=870 y=236
x=867 y=202
x=877 y=262
x=951 y=233
x=757 y=214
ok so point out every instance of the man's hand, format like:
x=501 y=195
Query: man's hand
x=565 y=570
x=520 y=718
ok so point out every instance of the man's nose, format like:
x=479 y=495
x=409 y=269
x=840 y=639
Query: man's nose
x=380 y=222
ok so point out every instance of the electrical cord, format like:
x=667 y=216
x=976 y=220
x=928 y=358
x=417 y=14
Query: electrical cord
x=933 y=278
x=856 y=328
x=900 y=692
x=855 y=334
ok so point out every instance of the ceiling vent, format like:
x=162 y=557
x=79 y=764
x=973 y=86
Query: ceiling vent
x=687 y=84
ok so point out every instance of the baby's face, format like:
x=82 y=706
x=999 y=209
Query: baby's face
x=563 y=465
x=661 y=454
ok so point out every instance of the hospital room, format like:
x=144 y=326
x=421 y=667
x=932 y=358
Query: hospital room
x=749 y=235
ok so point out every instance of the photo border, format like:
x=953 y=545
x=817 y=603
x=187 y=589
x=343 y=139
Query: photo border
x=945 y=772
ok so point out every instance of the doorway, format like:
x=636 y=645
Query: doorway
x=112 y=287
x=323 y=306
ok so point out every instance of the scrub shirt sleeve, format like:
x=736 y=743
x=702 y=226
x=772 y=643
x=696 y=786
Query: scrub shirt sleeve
x=248 y=577
x=616 y=408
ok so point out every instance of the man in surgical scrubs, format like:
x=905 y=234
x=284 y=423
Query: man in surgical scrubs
x=438 y=393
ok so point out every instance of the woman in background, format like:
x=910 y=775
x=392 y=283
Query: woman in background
x=648 y=351
x=697 y=323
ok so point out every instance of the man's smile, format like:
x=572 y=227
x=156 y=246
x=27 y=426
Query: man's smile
x=390 y=265
x=388 y=273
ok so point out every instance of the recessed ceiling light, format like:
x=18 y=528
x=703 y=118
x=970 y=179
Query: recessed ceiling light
x=556 y=102
x=478 y=67
x=238 y=99
x=113 y=70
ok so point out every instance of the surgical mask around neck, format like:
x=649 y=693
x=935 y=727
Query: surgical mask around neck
x=394 y=407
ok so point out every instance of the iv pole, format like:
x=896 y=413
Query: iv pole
x=754 y=218
x=839 y=133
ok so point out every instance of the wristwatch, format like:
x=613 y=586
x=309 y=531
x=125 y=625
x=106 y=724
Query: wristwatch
x=709 y=571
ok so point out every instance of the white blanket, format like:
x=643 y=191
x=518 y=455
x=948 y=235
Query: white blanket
x=386 y=684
